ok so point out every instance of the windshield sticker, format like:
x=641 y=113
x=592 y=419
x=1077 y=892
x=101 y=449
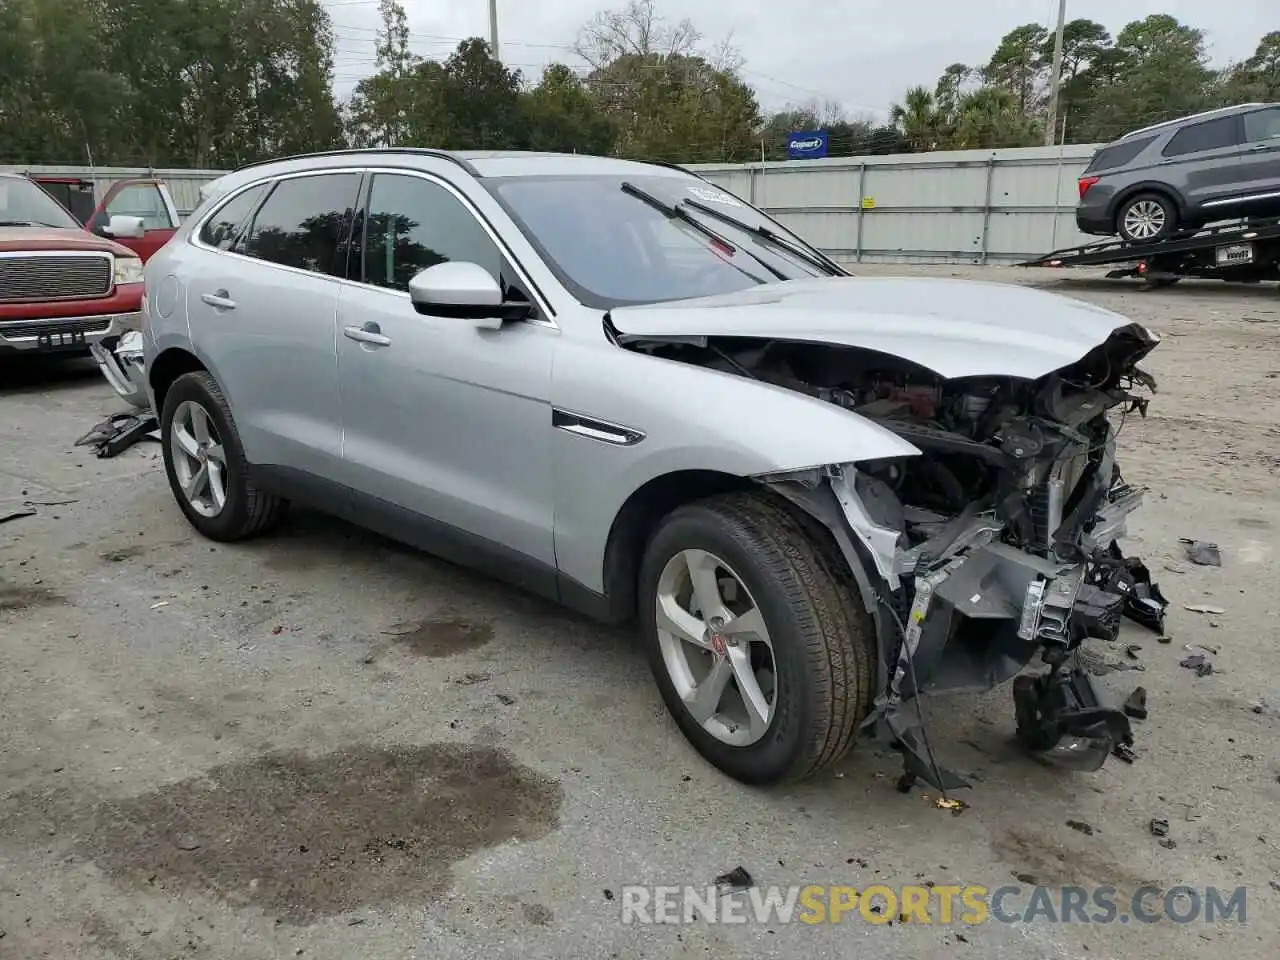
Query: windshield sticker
x=712 y=195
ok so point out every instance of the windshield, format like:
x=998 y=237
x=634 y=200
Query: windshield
x=625 y=240
x=24 y=204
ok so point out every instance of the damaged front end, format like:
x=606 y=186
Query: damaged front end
x=122 y=364
x=997 y=543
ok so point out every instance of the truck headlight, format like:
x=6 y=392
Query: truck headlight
x=128 y=270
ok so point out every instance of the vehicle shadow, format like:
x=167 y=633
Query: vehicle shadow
x=25 y=375
x=309 y=543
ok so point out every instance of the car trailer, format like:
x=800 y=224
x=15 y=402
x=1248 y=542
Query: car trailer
x=1235 y=253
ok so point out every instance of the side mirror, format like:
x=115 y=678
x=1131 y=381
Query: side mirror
x=123 y=227
x=464 y=290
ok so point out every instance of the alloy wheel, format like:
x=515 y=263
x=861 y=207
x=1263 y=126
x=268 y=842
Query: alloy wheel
x=1145 y=220
x=716 y=647
x=199 y=459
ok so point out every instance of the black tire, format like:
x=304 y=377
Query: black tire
x=1169 y=212
x=823 y=640
x=249 y=510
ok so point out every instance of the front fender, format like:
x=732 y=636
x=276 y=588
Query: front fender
x=687 y=418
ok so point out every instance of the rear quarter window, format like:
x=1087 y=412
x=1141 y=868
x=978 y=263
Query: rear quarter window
x=1109 y=158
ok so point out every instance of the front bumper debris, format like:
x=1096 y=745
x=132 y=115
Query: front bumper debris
x=982 y=616
x=123 y=367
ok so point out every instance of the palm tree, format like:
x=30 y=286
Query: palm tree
x=991 y=117
x=917 y=118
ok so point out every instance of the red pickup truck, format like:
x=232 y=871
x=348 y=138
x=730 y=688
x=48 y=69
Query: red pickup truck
x=65 y=286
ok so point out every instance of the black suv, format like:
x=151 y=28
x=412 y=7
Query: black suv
x=1183 y=174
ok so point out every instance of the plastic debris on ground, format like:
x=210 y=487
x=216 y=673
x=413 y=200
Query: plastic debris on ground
x=1136 y=705
x=1200 y=663
x=17 y=514
x=1144 y=604
x=1202 y=552
x=1159 y=827
x=735 y=880
x=119 y=432
x=956 y=807
x=1204 y=608
x=1122 y=751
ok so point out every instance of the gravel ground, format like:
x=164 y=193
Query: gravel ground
x=324 y=745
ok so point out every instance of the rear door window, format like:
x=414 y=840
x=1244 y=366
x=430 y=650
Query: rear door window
x=304 y=223
x=1206 y=135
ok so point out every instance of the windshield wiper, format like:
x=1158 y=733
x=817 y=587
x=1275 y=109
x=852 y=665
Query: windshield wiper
x=676 y=212
x=26 y=223
x=815 y=258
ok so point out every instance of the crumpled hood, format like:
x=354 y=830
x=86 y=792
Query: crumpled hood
x=956 y=328
x=40 y=239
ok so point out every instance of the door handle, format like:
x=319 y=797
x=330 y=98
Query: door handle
x=219 y=300
x=369 y=333
x=1263 y=146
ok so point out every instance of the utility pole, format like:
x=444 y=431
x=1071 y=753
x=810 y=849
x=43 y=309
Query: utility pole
x=493 y=29
x=1055 y=79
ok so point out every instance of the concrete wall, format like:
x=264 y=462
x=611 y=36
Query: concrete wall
x=964 y=206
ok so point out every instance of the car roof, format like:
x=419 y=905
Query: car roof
x=1195 y=117
x=482 y=163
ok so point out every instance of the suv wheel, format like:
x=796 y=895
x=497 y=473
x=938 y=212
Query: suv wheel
x=758 y=646
x=1147 y=218
x=206 y=466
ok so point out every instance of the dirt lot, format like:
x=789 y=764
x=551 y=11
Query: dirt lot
x=323 y=745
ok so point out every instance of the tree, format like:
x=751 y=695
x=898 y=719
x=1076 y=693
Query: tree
x=380 y=108
x=918 y=118
x=560 y=115
x=635 y=30
x=1258 y=78
x=666 y=100
x=479 y=101
x=992 y=117
x=1018 y=65
x=1157 y=71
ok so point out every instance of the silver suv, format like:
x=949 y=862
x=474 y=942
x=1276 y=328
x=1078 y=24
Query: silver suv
x=621 y=387
x=1183 y=174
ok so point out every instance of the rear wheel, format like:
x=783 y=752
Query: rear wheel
x=206 y=465
x=1147 y=218
x=756 y=641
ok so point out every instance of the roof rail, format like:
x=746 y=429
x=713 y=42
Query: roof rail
x=350 y=151
x=1193 y=116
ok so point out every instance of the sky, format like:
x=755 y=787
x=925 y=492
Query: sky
x=861 y=53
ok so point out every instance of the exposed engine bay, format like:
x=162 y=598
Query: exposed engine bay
x=997 y=542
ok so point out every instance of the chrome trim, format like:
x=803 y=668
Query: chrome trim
x=193 y=237
x=53 y=254
x=1243 y=199
x=593 y=429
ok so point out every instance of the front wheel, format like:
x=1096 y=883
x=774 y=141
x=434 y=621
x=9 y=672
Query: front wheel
x=1147 y=218
x=757 y=643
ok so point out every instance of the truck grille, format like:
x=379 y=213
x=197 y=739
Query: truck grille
x=35 y=277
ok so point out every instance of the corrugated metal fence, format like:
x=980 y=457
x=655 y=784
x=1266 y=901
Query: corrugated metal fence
x=184 y=185
x=965 y=206
x=968 y=206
